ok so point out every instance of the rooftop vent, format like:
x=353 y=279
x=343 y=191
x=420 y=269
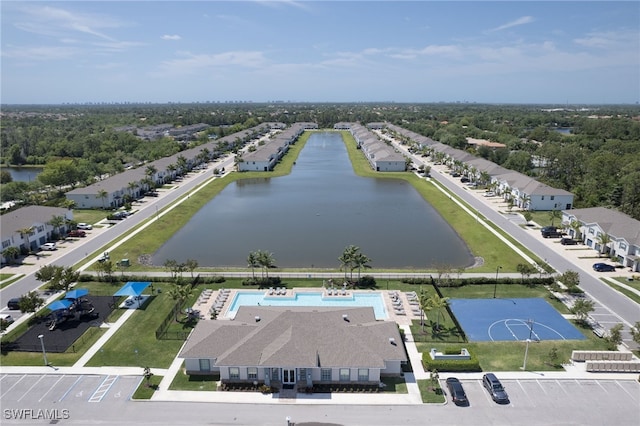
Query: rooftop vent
x=392 y=341
x=257 y=318
x=345 y=317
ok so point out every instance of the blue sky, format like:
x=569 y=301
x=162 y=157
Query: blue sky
x=320 y=51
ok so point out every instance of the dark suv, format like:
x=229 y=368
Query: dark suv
x=14 y=304
x=456 y=391
x=550 y=232
x=493 y=385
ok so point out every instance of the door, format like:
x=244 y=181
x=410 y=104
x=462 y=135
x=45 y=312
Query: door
x=288 y=376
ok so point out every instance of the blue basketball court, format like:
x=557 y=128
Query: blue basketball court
x=512 y=320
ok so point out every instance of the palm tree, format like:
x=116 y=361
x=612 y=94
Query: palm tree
x=361 y=261
x=57 y=222
x=436 y=302
x=191 y=265
x=525 y=201
x=425 y=306
x=603 y=240
x=266 y=261
x=347 y=258
x=575 y=225
x=11 y=253
x=25 y=233
x=131 y=186
x=553 y=215
x=150 y=171
x=252 y=262
x=179 y=293
x=102 y=194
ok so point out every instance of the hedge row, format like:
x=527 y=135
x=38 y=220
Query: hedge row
x=470 y=365
x=459 y=282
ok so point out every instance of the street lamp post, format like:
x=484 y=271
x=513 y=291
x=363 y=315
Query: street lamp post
x=495 y=286
x=526 y=351
x=44 y=352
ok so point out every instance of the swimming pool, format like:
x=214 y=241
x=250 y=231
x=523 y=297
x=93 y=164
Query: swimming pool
x=255 y=298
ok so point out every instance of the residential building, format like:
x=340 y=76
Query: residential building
x=608 y=232
x=35 y=218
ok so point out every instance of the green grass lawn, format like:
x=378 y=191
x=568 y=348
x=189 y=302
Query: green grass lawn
x=630 y=294
x=13 y=279
x=394 y=385
x=90 y=216
x=185 y=382
x=145 y=390
x=430 y=394
x=135 y=343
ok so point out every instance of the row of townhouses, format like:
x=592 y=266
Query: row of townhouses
x=382 y=156
x=266 y=156
x=526 y=192
x=109 y=193
x=28 y=228
x=606 y=231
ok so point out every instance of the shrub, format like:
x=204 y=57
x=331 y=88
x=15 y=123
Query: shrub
x=470 y=365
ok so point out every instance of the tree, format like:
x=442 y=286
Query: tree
x=102 y=194
x=553 y=215
x=266 y=260
x=614 y=338
x=360 y=261
x=425 y=306
x=57 y=222
x=11 y=253
x=30 y=302
x=527 y=216
x=172 y=266
x=147 y=376
x=346 y=259
x=191 y=265
x=252 y=262
x=433 y=378
x=575 y=226
x=570 y=278
x=47 y=273
x=603 y=240
x=68 y=276
x=437 y=303
x=552 y=356
x=526 y=270
x=25 y=233
x=179 y=293
x=581 y=309
x=635 y=332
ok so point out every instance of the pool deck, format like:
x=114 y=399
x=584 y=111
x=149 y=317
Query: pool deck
x=393 y=300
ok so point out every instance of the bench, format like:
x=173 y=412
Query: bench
x=613 y=366
x=601 y=356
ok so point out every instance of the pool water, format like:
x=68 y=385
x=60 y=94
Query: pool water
x=255 y=298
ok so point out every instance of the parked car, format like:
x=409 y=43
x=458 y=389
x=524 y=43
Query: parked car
x=489 y=194
x=458 y=396
x=77 y=233
x=464 y=179
x=49 y=246
x=603 y=267
x=85 y=226
x=6 y=318
x=568 y=242
x=493 y=385
x=551 y=232
x=14 y=304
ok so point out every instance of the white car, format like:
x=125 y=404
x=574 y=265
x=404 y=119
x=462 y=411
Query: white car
x=6 y=318
x=49 y=246
x=489 y=194
x=84 y=226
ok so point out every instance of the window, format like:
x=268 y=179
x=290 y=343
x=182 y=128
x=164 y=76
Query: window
x=325 y=374
x=234 y=373
x=344 y=375
x=252 y=373
x=363 y=374
x=553 y=197
x=542 y=198
x=205 y=365
x=302 y=374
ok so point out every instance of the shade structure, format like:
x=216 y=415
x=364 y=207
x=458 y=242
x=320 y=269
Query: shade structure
x=59 y=304
x=132 y=288
x=76 y=293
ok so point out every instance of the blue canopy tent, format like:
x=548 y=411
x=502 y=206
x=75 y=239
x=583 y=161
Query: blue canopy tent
x=59 y=304
x=76 y=293
x=133 y=288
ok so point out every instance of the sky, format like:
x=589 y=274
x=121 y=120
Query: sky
x=576 y=52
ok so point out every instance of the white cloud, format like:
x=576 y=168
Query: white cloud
x=520 y=21
x=171 y=37
x=609 y=40
x=40 y=53
x=190 y=62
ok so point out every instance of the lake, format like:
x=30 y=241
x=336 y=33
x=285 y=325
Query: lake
x=307 y=218
x=23 y=174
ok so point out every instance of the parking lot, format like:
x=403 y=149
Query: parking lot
x=585 y=401
x=35 y=391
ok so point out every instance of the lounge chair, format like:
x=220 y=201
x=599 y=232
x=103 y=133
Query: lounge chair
x=271 y=291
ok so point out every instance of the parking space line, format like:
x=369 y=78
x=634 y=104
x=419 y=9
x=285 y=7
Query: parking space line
x=52 y=386
x=633 y=397
x=8 y=390
x=561 y=387
x=527 y=393
x=70 y=388
x=103 y=389
x=134 y=389
x=541 y=387
x=29 y=390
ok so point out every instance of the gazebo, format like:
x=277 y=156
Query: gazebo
x=133 y=289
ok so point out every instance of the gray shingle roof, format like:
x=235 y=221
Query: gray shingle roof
x=297 y=337
x=25 y=217
x=613 y=222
